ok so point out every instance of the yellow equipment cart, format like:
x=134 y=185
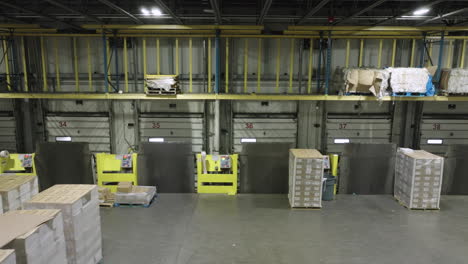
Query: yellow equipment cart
x=115 y=168
x=217 y=173
x=20 y=164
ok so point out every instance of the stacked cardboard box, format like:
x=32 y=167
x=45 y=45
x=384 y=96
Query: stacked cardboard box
x=305 y=178
x=1 y=205
x=418 y=178
x=44 y=244
x=82 y=225
x=137 y=195
x=7 y=256
x=17 y=189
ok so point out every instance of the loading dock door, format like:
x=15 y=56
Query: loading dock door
x=7 y=132
x=437 y=134
x=94 y=130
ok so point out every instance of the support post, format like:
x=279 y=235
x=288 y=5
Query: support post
x=218 y=61
x=291 y=65
x=246 y=63
x=328 y=69
x=309 y=74
x=125 y=62
x=44 y=66
x=104 y=50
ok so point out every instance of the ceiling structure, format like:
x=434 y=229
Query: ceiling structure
x=274 y=15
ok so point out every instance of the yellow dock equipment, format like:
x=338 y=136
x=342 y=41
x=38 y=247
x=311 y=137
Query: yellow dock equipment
x=20 y=164
x=217 y=173
x=115 y=168
x=334 y=167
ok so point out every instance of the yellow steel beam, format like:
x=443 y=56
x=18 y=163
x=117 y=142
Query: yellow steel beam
x=354 y=33
x=144 y=58
x=57 y=65
x=227 y=66
x=190 y=65
x=246 y=62
x=158 y=58
x=250 y=97
x=259 y=64
x=309 y=74
x=348 y=48
x=90 y=72
x=125 y=62
x=380 y=28
x=14 y=26
x=75 y=66
x=462 y=60
x=393 y=53
x=177 y=56
x=209 y=65
x=413 y=49
x=44 y=66
x=361 y=53
x=25 y=69
x=278 y=65
x=291 y=66
x=449 y=54
x=7 y=64
x=379 y=58
x=172 y=27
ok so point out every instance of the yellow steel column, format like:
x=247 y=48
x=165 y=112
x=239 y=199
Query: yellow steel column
x=90 y=74
x=291 y=65
x=361 y=52
x=125 y=62
x=75 y=66
x=227 y=65
x=190 y=65
x=57 y=65
x=7 y=65
x=209 y=65
x=158 y=58
x=25 y=70
x=259 y=64
x=449 y=54
x=413 y=49
x=309 y=74
x=246 y=62
x=44 y=65
x=430 y=53
x=278 y=66
x=177 y=56
x=394 y=53
x=144 y=57
x=462 y=62
x=348 y=48
x=379 y=59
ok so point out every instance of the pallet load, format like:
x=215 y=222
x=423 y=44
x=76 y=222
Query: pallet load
x=7 y=256
x=305 y=178
x=359 y=81
x=162 y=84
x=17 y=189
x=43 y=244
x=136 y=195
x=82 y=225
x=418 y=178
x=1 y=205
x=410 y=81
x=454 y=81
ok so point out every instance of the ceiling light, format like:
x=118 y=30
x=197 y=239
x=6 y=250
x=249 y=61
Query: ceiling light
x=145 y=11
x=156 y=12
x=421 y=11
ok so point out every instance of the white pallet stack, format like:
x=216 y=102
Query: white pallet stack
x=7 y=256
x=418 y=178
x=15 y=190
x=305 y=178
x=82 y=224
x=44 y=244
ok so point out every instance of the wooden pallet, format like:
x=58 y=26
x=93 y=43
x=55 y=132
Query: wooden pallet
x=416 y=209
x=157 y=91
x=408 y=94
x=136 y=205
x=358 y=94
x=305 y=208
x=107 y=204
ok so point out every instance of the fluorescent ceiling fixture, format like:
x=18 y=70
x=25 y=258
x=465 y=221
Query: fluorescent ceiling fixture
x=421 y=11
x=248 y=140
x=145 y=11
x=435 y=141
x=156 y=12
x=62 y=139
x=156 y=139
x=341 y=140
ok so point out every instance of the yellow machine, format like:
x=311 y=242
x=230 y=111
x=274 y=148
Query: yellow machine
x=115 y=168
x=217 y=173
x=334 y=167
x=20 y=164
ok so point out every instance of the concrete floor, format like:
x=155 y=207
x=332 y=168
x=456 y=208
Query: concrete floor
x=190 y=228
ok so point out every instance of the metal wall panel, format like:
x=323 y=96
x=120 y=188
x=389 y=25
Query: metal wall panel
x=173 y=129
x=91 y=129
x=7 y=132
x=451 y=131
x=357 y=130
x=264 y=130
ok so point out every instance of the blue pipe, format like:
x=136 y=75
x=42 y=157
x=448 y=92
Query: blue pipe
x=328 y=69
x=319 y=62
x=218 y=62
x=441 y=55
x=116 y=64
x=106 y=81
x=423 y=51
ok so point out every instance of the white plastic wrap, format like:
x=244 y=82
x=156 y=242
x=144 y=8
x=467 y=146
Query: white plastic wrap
x=144 y=196
x=161 y=83
x=409 y=80
x=7 y=256
x=458 y=81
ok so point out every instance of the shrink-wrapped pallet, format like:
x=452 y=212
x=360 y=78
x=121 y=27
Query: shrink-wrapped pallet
x=44 y=244
x=17 y=189
x=82 y=225
x=138 y=195
x=373 y=81
x=1 y=206
x=7 y=256
x=418 y=178
x=454 y=81
x=410 y=80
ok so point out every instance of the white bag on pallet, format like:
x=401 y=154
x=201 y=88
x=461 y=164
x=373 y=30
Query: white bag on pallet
x=409 y=80
x=7 y=256
x=138 y=195
x=458 y=81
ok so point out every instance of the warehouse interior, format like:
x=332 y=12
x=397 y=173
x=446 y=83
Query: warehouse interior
x=190 y=131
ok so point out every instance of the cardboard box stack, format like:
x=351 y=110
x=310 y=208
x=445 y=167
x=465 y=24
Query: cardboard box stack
x=305 y=178
x=17 y=189
x=7 y=256
x=44 y=244
x=124 y=187
x=82 y=225
x=137 y=195
x=418 y=178
x=1 y=205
